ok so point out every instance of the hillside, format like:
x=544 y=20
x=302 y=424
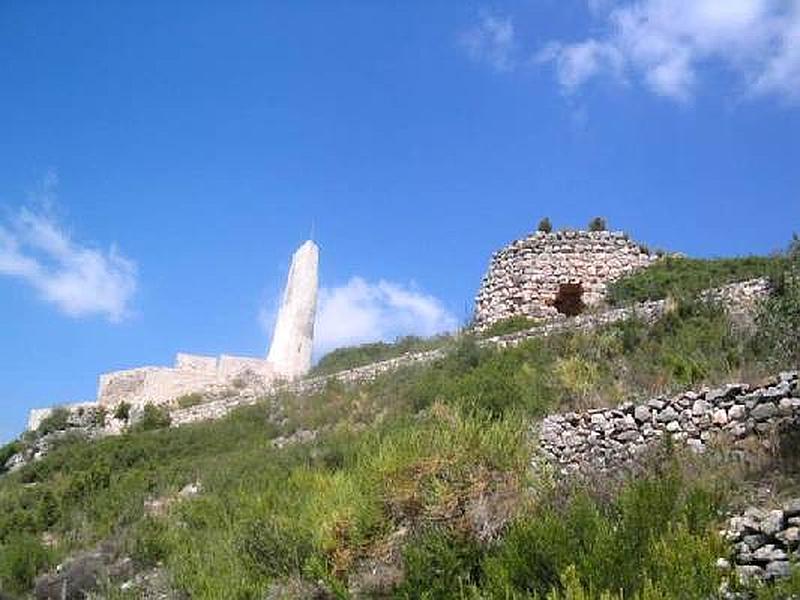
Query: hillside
x=430 y=481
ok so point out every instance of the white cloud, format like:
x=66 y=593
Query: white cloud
x=360 y=312
x=78 y=280
x=666 y=44
x=491 y=41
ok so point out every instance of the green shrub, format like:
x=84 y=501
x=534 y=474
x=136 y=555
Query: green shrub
x=100 y=416
x=57 y=420
x=122 y=411
x=439 y=564
x=778 y=317
x=598 y=224
x=545 y=225
x=22 y=558
x=641 y=540
x=153 y=417
x=7 y=451
x=189 y=400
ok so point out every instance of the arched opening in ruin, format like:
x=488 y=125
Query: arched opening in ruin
x=569 y=300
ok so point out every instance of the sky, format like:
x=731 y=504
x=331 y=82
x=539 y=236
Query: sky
x=160 y=161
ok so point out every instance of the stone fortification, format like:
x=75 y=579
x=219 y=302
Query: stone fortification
x=191 y=374
x=549 y=274
x=289 y=357
x=603 y=439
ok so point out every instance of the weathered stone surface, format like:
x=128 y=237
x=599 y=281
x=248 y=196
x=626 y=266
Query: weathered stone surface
x=527 y=277
x=604 y=439
x=290 y=352
x=764 y=411
x=772 y=523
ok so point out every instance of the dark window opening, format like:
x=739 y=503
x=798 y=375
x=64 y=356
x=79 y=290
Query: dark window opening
x=569 y=300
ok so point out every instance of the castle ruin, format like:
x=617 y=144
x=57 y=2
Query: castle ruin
x=547 y=275
x=289 y=356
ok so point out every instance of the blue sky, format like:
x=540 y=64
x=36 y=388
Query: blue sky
x=160 y=161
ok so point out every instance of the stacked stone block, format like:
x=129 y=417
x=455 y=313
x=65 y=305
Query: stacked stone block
x=525 y=277
x=604 y=439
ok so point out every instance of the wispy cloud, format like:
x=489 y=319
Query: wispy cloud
x=79 y=280
x=492 y=41
x=360 y=311
x=666 y=44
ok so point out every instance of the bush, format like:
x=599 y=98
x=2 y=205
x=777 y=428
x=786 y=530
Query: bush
x=778 y=318
x=189 y=400
x=153 y=417
x=438 y=564
x=8 y=451
x=57 y=420
x=545 y=225
x=22 y=557
x=598 y=224
x=122 y=411
x=643 y=541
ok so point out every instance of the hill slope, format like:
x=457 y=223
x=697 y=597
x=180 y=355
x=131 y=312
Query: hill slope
x=418 y=484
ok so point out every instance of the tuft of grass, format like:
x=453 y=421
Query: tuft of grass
x=510 y=325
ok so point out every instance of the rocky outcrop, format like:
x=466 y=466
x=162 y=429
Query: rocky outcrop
x=604 y=439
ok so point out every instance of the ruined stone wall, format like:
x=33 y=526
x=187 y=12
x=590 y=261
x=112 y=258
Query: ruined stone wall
x=602 y=439
x=526 y=277
x=191 y=374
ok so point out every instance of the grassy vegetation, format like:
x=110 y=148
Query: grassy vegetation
x=410 y=471
x=189 y=400
x=686 y=277
x=357 y=356
x=510 y=325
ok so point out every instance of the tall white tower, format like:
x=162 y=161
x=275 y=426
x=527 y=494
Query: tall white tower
x=292 y=341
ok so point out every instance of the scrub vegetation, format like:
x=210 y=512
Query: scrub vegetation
x=418 y=484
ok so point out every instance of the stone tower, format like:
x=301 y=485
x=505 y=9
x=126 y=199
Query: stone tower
x=552 y=275
x=292 y=341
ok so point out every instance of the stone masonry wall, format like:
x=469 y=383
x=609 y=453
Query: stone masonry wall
x=605 y=439
x=525 y=277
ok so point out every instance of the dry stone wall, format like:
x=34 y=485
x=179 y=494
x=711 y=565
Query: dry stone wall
x=603 y=439
x=765 y=542
x=545 y=274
